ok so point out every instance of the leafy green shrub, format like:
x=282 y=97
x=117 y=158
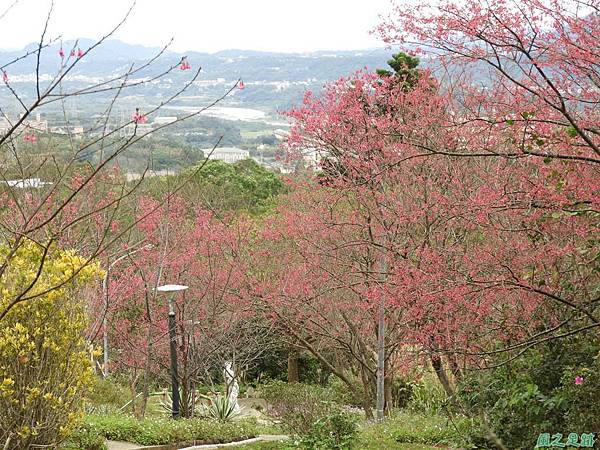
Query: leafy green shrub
x=537 y=393
x=402 y=391
x=164 y=431
x=410 y=430
x=427 y=395
x=580 y=389
x=298 y=406
x=345 y=396
x=517 y=409
x=336 y=431
x=84 y=438
x=311 y=371
x=106 y=395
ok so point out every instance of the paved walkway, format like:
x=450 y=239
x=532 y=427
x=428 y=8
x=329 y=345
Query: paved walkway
x=263 y=438
x=118 y=445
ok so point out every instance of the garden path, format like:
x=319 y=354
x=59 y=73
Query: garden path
x=118 y=445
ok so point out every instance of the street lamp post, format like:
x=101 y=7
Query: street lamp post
x=173 y=345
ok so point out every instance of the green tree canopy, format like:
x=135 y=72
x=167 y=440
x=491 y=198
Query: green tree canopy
x=405 y=68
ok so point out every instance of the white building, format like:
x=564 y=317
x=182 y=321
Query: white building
x=134 y=176
x=26 y=183
x=67 y=129
x=138 y=129
x=5 y=125
x=164 y=120
x=229 y=155
x=312 y=157
x=38 y=124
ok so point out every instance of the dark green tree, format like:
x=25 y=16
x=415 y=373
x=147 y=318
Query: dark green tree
x=405 y=69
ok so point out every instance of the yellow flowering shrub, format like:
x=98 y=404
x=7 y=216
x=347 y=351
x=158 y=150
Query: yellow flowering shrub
x=45 y=367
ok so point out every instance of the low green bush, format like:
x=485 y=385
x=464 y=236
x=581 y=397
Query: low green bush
x=311 y=413
x=345 y=396
x=582 y=397
x=403 y=389
x=427 y=395
x=84 y=438
x=299 y=406
x=159 y=431
x=539 y=392
x=106 y=395
x=336 y=431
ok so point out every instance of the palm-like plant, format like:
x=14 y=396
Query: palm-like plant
x=221 y=409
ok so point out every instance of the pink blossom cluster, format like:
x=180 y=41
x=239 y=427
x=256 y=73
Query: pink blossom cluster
x=139 y=118
x=185 y=65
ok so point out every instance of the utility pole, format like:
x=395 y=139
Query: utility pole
x=380 y=404
x=380 y=401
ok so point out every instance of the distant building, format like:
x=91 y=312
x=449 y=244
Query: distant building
x=67 y=129
x=5 y=125
x=26 y=183
x=30 y=125
x=134 y=176
x=285 y=169
x=138 y=129
x=164 y=120
x=312 y=158
x=229 y=155
x=38 y=124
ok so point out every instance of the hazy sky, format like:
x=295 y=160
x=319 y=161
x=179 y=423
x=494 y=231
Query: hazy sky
x=203 y=25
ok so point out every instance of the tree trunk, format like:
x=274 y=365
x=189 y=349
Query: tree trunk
x=304 y=343
x=388 y=381
x=367 y=397
x=292 y=366
x=146 y=385
x=455 y=368
x=133 y=389
x=185 y=397
x=436 y=362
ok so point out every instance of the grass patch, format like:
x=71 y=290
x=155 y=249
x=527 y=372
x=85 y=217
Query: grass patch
x=404 y=431
x=375 y=445
x=413 y=428
x=157 y=431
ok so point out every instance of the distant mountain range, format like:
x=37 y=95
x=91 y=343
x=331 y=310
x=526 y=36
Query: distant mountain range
x=274 y=80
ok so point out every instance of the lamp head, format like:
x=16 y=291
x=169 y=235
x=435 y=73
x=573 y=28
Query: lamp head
x=171 y=288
